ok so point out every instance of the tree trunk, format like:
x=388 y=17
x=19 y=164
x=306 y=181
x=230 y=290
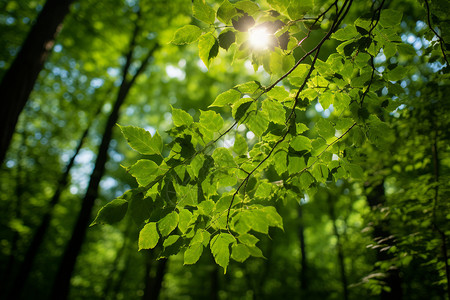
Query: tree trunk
x=340 y=251
x=116 y=264
x=61 y=284
x=303 y=262
x=375 y=198
x=18 y=81
x=152 y=285
x=17 y=213
x=38 y=238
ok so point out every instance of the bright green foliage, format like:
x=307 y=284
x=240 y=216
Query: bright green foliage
x=148 y=237
x=221 y=250
x=167 y=224
x=186 y=35
x=181 y=118
x=203 y=11
x=141 y=140
x=208 y=47
x=112 y=212
x=204 y=192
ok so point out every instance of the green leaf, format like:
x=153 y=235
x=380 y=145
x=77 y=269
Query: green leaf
x=320 y=172
x=325 y=129
x=205 y=207
x=192 y=254
x=318 y=145
x=247 y=6
x=239 y=252
x=272 y=216
x=306 y=179
x=243 y=23
x=226 y=11
x=300 y=128
x=390 y=18
x=181 y=118
x=220 y=249
x=248 y=239
x=170 y=240
x=297 y=9
x=280 y=63
x=300 y=143
x=341 y=102
x=186 y=195
x=258 y=122
x=346 y=33
x=226 y=39
x=140 y=207
x=276 y=111
x=167 y=224
x=279 y=93
x=211 y=120
x=344 y=123
x=240 y=145
x=184 y=218
x=203 y=11
x=112 y=212
x=406 y=49
x=326 y=99
x=298 y=76
x=355 y=171
x=186 y=35
x=264 y=190
x=141 y=140
x=148 y=236
x=250 y=87
x=223 y=158
x=227 y=98
x=240 y=108
x=208 y=48
x=145 y=171
x=379 y=133
x=296 y=164
x=397 y=73
x=201 y=237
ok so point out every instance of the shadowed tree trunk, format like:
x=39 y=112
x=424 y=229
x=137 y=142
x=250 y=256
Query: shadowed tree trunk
x=120 y=278
x=61 y=284
x=17 y=212
x=32 y=251
x=153 y=285
x=303 y=261
x=375 y=198
x=115 y=269
x=340 y=251
x=18 y=81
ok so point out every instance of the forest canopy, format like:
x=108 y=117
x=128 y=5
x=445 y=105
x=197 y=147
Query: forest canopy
x=272 y=149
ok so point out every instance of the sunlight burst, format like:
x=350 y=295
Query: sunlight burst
x=259 y=38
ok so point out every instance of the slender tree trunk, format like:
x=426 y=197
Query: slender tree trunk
x=120 y=277
x=147 y=275
x=153 y=285
x=375 y=198
x=61 y=284
x=17 y=213
x=340 y=250
x=18 y=81
x=214 y=289
x=32 y=251
x=303 y=261
x=115 y=265
x=157 y=282
x=442 y=235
